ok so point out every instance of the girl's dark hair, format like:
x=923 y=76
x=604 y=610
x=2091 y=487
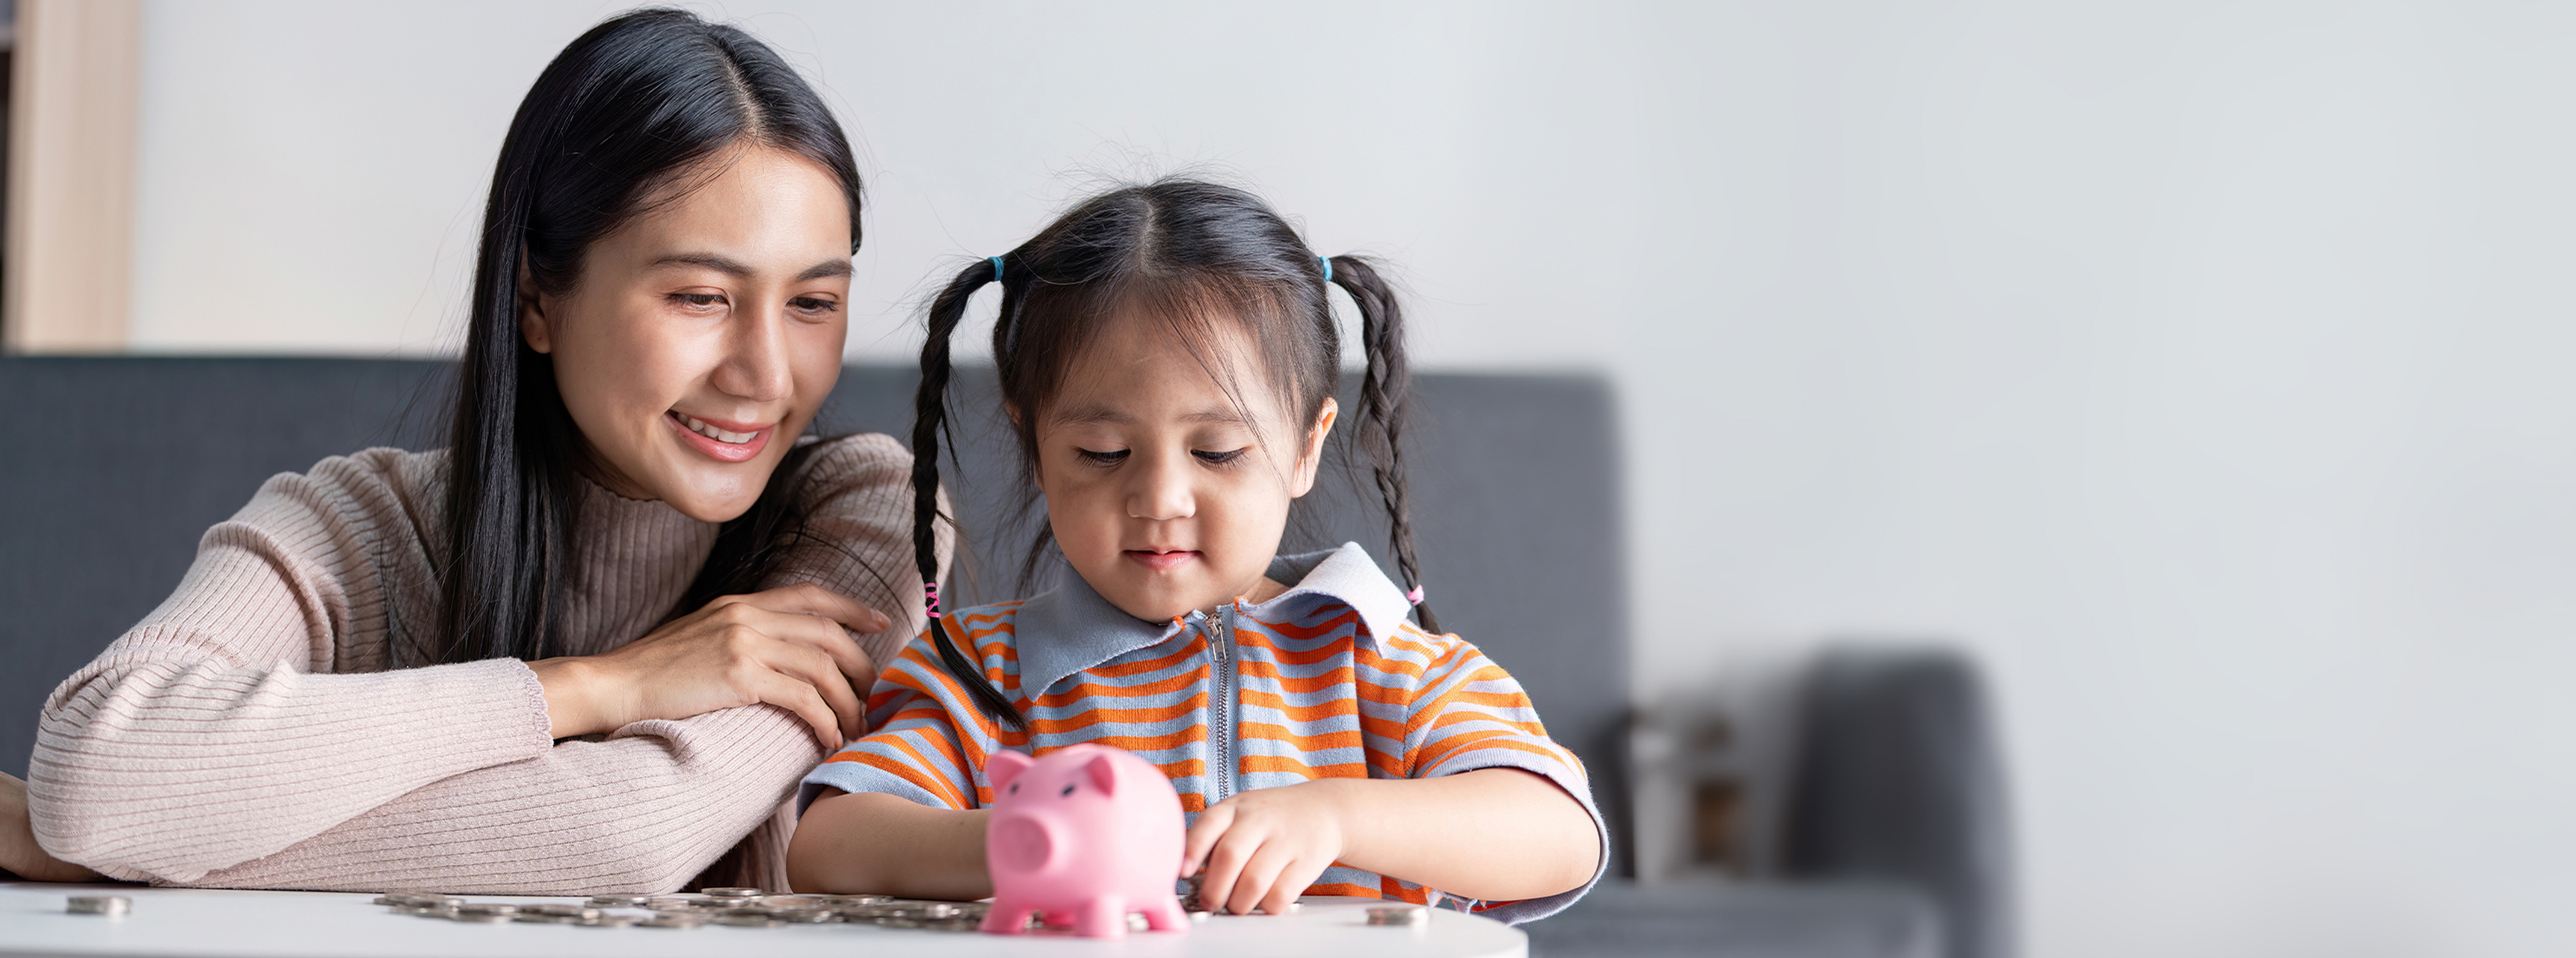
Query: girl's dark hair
x=631 y=115
x=1188 y=255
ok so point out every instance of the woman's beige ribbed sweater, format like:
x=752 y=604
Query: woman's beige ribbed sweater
x=247 y=733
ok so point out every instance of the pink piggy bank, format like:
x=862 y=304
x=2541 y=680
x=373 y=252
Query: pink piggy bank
x=1083 y=836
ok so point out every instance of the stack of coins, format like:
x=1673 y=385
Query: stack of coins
x=1401 y=915
x=113 y=906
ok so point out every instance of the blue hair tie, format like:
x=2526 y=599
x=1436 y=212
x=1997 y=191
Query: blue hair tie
x=1328 y=267
x=997 y=269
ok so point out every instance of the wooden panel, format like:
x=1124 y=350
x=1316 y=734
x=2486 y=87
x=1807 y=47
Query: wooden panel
x=68 y=279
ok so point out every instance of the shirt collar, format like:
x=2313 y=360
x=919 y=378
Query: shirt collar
x=1075 y=629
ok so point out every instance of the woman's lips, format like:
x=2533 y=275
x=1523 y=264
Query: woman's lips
x=717 y=448
x=1161 y=561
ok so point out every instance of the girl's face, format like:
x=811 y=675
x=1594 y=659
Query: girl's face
x=1160 y=492
x=701 y=336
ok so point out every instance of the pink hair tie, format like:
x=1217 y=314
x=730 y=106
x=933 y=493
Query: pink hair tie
x=1414 y=596
x=931 y=591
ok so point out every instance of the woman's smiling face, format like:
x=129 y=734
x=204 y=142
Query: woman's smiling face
x=702 y=336
x=1164 y=493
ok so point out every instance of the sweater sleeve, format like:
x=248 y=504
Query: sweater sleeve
x=226 y=726
x=639 y=813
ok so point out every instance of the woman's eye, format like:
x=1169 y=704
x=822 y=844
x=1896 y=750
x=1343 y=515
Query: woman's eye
x=812 y=305
x=1215 y=458
x=698 y=300
x=1110 y=458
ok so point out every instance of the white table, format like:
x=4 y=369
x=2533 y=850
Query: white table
x=199 y=923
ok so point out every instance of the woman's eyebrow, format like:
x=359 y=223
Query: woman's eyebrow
x=825 y=269
x=735 y=268
x=711 y=261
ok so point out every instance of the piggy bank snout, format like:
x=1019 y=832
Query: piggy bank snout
x=1024 y=844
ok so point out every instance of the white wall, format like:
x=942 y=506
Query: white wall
x=2202 y=365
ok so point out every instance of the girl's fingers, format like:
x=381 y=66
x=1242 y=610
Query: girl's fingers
x=797 y=697
x=1260 y=875
x=1293 y=881
x=1203 y=835
x=1225 y=868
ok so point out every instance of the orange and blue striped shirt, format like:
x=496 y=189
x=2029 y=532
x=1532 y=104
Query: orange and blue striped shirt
x=1328 y=679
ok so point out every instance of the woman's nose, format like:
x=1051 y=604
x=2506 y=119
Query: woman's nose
x=1162 y=490
x=755 y=365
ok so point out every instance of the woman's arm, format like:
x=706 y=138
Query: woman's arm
x=640 y=813
x=1493 y=833
x=864 y=843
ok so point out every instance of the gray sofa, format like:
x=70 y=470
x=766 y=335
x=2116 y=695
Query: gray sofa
x=1893 y=841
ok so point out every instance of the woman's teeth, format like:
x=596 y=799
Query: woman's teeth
x=700 y=427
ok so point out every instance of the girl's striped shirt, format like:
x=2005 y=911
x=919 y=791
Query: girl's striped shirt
x=1328 y=679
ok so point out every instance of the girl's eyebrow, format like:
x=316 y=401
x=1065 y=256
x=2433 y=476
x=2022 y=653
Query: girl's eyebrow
x=1086 y=415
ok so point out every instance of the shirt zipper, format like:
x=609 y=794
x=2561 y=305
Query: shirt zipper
x=1221 y=648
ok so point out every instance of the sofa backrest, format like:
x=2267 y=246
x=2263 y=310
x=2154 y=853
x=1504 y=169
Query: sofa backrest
x=113 y=467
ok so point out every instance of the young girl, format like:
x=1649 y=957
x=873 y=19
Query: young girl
x=1168 y=360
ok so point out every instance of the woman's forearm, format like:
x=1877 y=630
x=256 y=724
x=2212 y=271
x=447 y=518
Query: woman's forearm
x=1493 y=834
x=640 y=813
x=164 y=768
x=853 y=843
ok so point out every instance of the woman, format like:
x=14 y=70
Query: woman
x=592 y=645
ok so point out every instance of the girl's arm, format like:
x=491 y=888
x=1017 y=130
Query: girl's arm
x=864 y=843
x=1493 y=833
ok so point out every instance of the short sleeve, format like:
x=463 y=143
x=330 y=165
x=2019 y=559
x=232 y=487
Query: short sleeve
x=915 y=752
x=1469 y=714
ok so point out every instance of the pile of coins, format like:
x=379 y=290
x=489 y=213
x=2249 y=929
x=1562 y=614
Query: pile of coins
x=740 y=907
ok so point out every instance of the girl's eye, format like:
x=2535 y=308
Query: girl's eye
x=1216 y=458
x=813 y=305
x=698 y=300
x=1110 y=458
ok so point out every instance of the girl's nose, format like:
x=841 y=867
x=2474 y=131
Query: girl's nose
x=755 y=361
x=1162 y=490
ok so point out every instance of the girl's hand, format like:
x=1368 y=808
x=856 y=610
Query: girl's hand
x=789 y=647
x=1262 y=848
x=19 y=853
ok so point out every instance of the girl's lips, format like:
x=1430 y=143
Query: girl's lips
x=718 y=449
x=1161 y=561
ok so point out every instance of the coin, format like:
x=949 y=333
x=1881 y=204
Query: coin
x=733 y=893
x=609 y=921
x=416 y=899
x=110 y=905
x=1406 y=915
x=618 y=901
x=673 y=919
x=752 y=919
x=670 y=903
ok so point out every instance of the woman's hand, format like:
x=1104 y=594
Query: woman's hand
x=19 y=853
x=1262 y=848
x=789 y=647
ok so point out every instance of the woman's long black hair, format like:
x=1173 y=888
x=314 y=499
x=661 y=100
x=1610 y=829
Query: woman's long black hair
x=1188 y=254
x=623 y=115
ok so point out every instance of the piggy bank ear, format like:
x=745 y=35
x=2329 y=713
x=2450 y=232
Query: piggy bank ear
x=1103 y=771
x=1003 y=766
